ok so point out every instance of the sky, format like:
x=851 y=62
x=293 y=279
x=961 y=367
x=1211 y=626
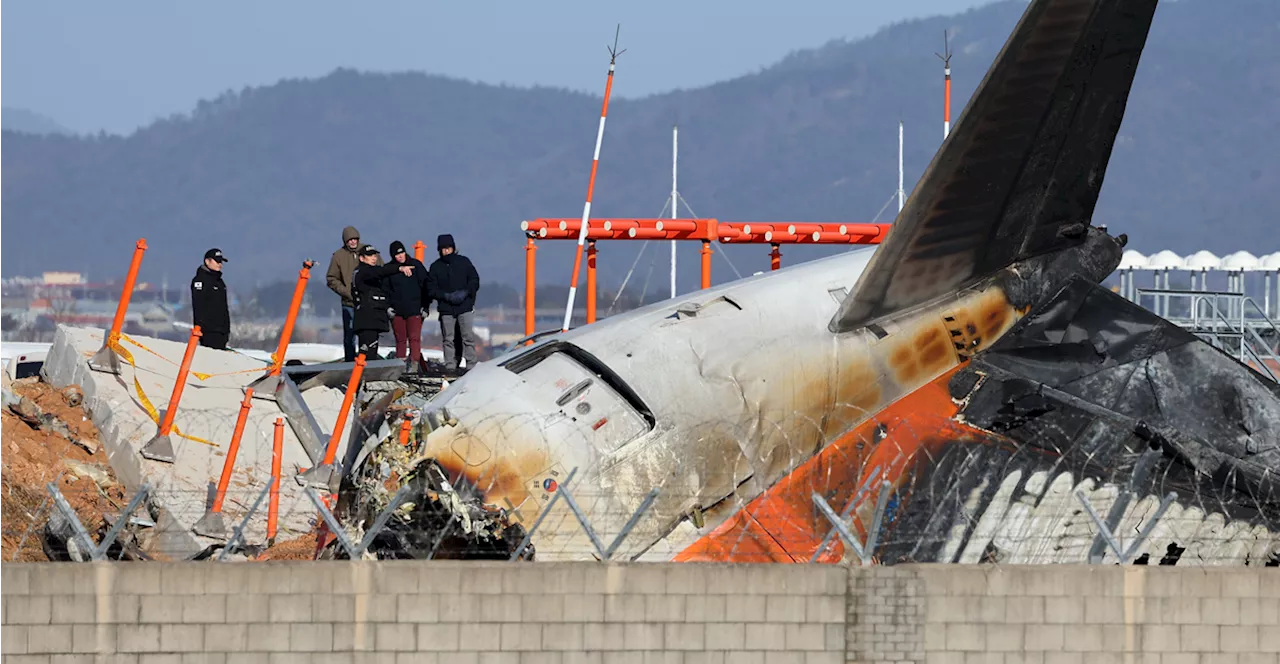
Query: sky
x=115 y=66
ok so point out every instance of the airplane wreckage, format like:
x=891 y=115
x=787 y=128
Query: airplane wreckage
x=974 y=396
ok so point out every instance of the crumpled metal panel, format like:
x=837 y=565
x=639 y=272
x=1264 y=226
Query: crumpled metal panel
x=1088 y=392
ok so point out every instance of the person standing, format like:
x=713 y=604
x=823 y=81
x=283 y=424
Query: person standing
x=453 y=283
x=338 y=278
x=369 y=293
x=407 y=295
x=209 y=308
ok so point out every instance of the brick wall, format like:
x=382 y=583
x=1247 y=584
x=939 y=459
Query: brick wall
x=443 y=612
x=324 y=612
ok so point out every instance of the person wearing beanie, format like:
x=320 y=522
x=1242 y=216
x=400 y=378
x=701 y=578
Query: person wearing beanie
x=407 y=294
x=339 y=279
x=452 y=281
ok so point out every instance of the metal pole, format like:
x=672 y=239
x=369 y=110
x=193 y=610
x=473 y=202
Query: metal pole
x=294 y=307
x=591 y=185
x=900 y=193
x=675 y=152
x=530 y=285
x=591 y=281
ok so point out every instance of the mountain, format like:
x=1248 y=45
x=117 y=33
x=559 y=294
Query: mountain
x=272 y=174
x=29 y=122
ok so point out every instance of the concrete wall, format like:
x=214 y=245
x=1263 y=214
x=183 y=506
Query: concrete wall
x=443 y=612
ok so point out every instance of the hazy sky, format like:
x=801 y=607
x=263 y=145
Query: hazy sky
x=115 y=65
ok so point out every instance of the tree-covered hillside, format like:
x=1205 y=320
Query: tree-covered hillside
x=272 y=174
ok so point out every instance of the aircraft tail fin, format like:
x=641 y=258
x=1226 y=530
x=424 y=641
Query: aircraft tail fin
x=1020 y=173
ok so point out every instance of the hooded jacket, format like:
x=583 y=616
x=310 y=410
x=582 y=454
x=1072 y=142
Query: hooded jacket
x=453 y=283
x=408 y=295
x=209 y=302
x=341 y=265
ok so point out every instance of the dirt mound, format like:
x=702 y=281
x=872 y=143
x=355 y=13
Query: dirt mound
x=33 y=457
x=302 y=548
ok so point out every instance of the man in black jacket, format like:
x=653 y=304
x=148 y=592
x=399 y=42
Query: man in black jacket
x=453 y=283
x=209 y=302
x=369 y=290
x=408 y=299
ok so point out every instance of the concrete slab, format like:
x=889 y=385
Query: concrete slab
x=182 y=491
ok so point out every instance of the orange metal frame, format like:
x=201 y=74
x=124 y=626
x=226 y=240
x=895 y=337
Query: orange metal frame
x=705 y=231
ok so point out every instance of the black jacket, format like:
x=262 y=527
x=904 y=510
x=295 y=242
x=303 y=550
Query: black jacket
x=370 y=292
x=453 y=283
x=408 y=294
x=209 y=302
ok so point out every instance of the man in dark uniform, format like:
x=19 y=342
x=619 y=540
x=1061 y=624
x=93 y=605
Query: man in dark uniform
x=209 y=302
x=369 y=291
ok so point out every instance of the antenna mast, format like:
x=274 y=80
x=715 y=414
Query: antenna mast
x=900 y=166
x=675 y=196
x=591 y=184
x=945 y=56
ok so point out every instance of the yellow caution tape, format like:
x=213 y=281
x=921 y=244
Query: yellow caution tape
x=198 y=374
x=142 y=395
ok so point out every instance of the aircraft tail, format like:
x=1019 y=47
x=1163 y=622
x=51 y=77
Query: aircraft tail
x=1020 y=173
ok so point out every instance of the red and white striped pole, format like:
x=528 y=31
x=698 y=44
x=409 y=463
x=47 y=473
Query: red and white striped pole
x=946 y=72
x=591 y=186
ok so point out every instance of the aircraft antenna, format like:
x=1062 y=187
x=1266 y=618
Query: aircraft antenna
x=591 y=184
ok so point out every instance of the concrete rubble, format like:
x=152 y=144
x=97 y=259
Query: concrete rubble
x=182 y=492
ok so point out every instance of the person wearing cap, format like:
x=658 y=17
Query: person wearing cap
x=209 y=302
x=453 y=283
x=407 y=302
x=338 y=278
x=369 y=292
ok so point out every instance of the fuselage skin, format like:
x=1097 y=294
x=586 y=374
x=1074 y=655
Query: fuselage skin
x=743 y=386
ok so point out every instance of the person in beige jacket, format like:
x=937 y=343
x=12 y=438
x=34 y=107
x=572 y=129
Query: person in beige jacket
x=338 y=279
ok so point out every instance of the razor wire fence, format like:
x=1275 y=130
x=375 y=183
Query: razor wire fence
x=1074 y=526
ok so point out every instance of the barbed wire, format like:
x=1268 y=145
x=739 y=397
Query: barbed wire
x=953 y=498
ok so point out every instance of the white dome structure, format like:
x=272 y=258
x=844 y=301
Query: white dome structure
x=1269 y=262
x=1164 y=260
x=1202 y=260
x=1240 y=261
x=1132 y=260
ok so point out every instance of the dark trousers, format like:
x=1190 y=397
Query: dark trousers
x=349 y=333
x=368 y=344
x=214 y=340
x=408 y=330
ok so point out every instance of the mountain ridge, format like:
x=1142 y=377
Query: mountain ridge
x=271 y=174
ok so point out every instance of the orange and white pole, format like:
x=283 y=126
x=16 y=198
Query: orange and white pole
x=420 y=250
x=946 y=73
x=294 y=307
x=130 y=280
x=591 y=185
x=273 y=507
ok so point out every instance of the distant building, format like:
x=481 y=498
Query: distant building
x=63 y=278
